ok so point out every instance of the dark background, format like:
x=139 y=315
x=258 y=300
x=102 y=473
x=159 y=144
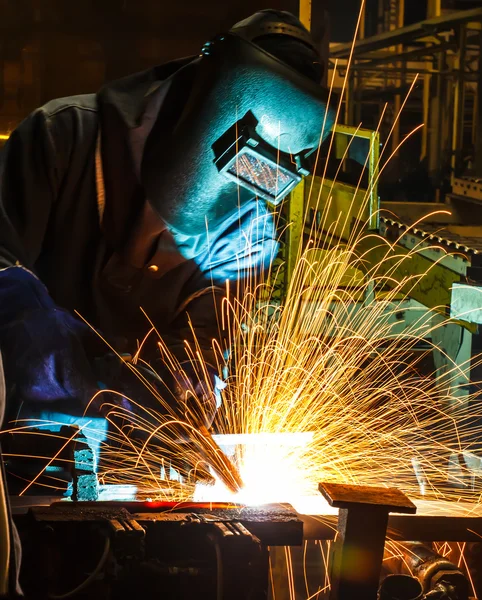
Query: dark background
x=55 y=48
x=344 y=13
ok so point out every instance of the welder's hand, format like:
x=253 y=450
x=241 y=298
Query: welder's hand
x=155 y=395
x=156 y=410
x=45 y=359
x=196 y=391
x=43 y=347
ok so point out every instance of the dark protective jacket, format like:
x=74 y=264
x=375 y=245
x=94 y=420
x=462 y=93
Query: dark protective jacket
x=85 y=228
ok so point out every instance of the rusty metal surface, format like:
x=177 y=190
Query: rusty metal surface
x=274 y=525
x=401 y=527
x=345 y=496
x=73 y=512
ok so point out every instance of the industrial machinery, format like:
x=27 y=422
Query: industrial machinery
x=152 y=550
x=441 y=55
x=93 y=548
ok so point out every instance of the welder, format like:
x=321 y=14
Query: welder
x=151 y=193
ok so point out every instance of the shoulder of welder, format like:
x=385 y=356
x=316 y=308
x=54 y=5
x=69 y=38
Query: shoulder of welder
x=57 y=128
x=59 y=112
x=129 y=96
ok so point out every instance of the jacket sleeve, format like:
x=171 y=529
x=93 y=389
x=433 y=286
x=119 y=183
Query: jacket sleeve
x=198 y=327
x=42 y=345
x=29 y=182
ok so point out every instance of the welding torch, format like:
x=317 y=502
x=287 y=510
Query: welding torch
x=138 y=382
x=222 y=466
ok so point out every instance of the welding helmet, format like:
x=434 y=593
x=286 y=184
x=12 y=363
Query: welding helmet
x=250 y=127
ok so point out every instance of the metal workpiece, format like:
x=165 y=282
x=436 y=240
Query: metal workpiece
x=273 y=524
x=181 y=550
x=434 y=572
x=85 y=485
x=60 y=462
x=362 y=529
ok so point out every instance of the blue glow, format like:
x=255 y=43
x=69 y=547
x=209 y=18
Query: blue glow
x=94 y=429
x=243 y=244
x=54 y=469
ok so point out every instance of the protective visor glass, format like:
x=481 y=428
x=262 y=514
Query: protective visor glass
x=244 y=157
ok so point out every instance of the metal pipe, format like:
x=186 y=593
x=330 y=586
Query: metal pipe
x=452 y=73
x=434 y=8
x=435 y=141
x=400 y=587
x=399 y=8
x=426 y=111
x=434 y=571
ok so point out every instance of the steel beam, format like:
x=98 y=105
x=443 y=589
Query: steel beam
x=407 y=34
x=459 y=102
x=409 y=55
x=296 y=217
x=478 y=128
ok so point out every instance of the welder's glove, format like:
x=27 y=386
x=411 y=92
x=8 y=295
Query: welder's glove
x=43 y=346
x=197 y=390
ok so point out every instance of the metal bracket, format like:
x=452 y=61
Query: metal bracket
x=360 y=543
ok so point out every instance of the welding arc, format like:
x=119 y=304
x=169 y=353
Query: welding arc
x=218 y=461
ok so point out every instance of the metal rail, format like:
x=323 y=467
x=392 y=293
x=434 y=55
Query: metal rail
x=417 y=32
x=443 y=50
